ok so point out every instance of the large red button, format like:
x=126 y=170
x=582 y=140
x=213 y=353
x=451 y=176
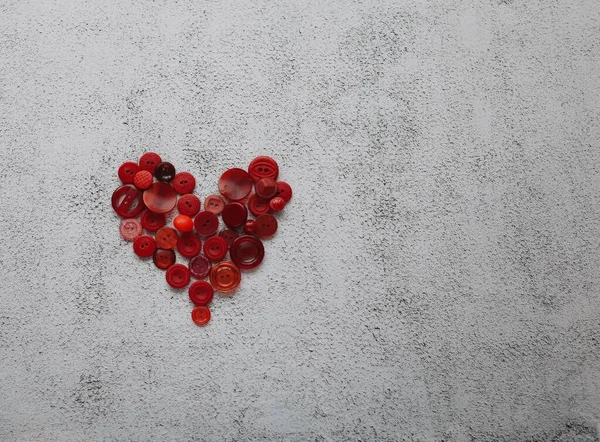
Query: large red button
x=228 y=235
x=247 y=252
x=235 y=184
x=130 y=229
x=200 y=266
x=127 y=201
x=189 y=245
x=215 y=248
x=235 y=215
x=184 y=182
x=188 y=205
x=201 y=315
x=266 y=188
x=266 y=226
x=257 y=205
x=263 y=167
x=163 y=259
x=127 y=171
x=144 y=246
x=214 y=204
x=206 y=223
x=160 y=198
x=152 y=221
x=167 y=238
x=149 y=161
x=201 y=293
x=178 y=276
x=284 y=191
x=225 y=277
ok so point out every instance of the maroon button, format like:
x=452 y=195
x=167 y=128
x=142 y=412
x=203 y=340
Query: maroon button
x=165 y=172
x=184 y=182
x=214 y=204
x=149 y=161
x=234 y=214
x=266 y=188
x=215 y=248
x=130 y=229
x=163 y=259
x=189 y=245
x=235 y=184
x=188 y=205
x=263 y=167
x=160 y=198
x=152 y=221
x=277 y=204
x=201 y=293
x=228 y=235
x=127 y=171
x=250 y=227
x=178 y=276
x=247 y=252
x=144 y=246
x=284 y=191
x=200 y=266
x=167 y=238
x=266 y=226
x=127 y=201
x=206 y=223
x=258 y=206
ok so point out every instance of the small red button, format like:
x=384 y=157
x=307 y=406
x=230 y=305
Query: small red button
x=277 y=204
x=201 y=315
x=247 y=252
x=160 y=198
x=263 y=167
x=235 y=184
x=167 y=238
x=184 y=182
x=206 y=223
x=225 y=277
x=250 y=227
x=149 y=161
x=214 y=204
x=183 y=223
x=266 y=226
x=188 y=205
x=130 y=229
x=152 y=221
x=144 y=246
x=284 y=191
x=258 y=206
x=127 y=201
x=266 y=188
x=228 y=235
x=127 y=171
x=142 y=180
x=163 y=259
x=189 y=245
x=201 y=293
x=178 y=276
x=200 y=266
x=215 y=248
x=234 y=214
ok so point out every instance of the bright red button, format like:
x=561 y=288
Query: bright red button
x=144 y=246
x=130 y=229
x=201 y=293
x=225 y=277
x=188 y=205
x=200 y=266
x=266 y=188
x=215 y=248
x=183 y=223
x=167 y=238
x=206 y=223
x=234 y=215
x=228 y=235
x=160 y=198
x=149 y=161
x=189 y=245
x=258 y=206
x=178 y=276
x=201 y=315
x=152 y=221
x=247 y=252
x=127 y=171
x=235 y=184
x=142 y=180
x=127 y=201
x=263 y=167
x=266 y=226
x=184 y=182
x=277 y=204
x=163 y=259
x=214 y=204
x=284 y=191
x=250 y=227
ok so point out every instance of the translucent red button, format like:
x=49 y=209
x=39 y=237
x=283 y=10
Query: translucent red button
x=215 y=248
x=266 y=188
x=188 y=205
x=165 y=172
x=184 y=182
x=263 y=167
x=189 y=245
x=127 y=171
x=225 y=277
x=152 y=221
x=201 y=315
x=178 y=276
x=160 y=198
x=206 y=223
x=258 y=205
x=127 y=201
x=130 y=229
x=163 y=259
x=247 y=252
x=144 y=246
x=214 y=204
x=266 y=226
x=235 y=184
x=234 y=215
x=200 y=266
x=201 y=293
x=167 y=238
x=149 y=161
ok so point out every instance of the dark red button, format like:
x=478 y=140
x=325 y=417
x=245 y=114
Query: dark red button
x=163 y=259
x=266 y=188
x=215 y=248
x=214 y=204
x=152 y=221
x=266 y=226
x=189 y=245
x=142 y=180
x=247 y=252
x=228 y=235
x=149 y=161
x=201 y=315
x=263 y=167
x=165 y=172
x=258 y=206
x=127 y=171
x=277 y=204
x=234 y=215
x=206 y=223
x=184 y=182
x=188 y=205
x=130 y=229
x=284 y=191
x=178 y=276
x=144 y=246
x=200 y=266
x=235 y=184
x=250 y=227
x=201 y=293
x=225 y=277
x=167 y=238
x=160 y=198
x=127 y=201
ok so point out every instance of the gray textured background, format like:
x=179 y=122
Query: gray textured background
x=436 y=276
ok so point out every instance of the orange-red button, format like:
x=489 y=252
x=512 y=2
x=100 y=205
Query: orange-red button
x=201 y=315
x=183 y=223
x=178 y=276
x=266 y=226
x=201 y=293
x=263 y=167
x=142 y=180
x=160 y=198
x=215 y=248
x=235 y=184
x=247 y=252
x=266 y=188
x=225 y=277
x=214 y=204
x=167 y=238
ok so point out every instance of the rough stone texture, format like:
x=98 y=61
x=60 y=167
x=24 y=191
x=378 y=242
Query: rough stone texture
x=436 y=276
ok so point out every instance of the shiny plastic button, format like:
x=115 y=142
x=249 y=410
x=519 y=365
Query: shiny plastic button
x=266 y=226
x=127 y=171
x=149 y=161
x=130 y=229
x=144 y=246
x=189 y=245
x=142 y=180
x=188 y=205
x=178 y=276
x=284 y=191
x=167 y=238
x=184 y=182
x=258 y=206
x=201 y=293
x=215 y=248
x=266 y=188
x=160 y=198
x=225 y=277
x=183 y=223
x=234 y=214
x=235 y=184
x=127 y=201
x=214 y=204
x=201 y=315
x=228 y=235
x=250 y=227
x=263 y=167
x=277 y=204
x=152 y=221
x=247 y=252
x=206 y=223
x=200 y=266
x=165 y=172
x=163 y=259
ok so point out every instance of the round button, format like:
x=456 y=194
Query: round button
x=167 y=238
x=200 y=266
x=214 y=204
x=183 y=223
x=225 y=277
x=163 y=259
x=144 y=246
x=215 y=248
x=201 y=315
x=142 y=180
x=206 y=223
x=189 y=245
x=250 y=227
x=165 y=172
x=284 y=191
x=188 y=205
x=258 y=206
x=127 y=201
x=263 y=167
x=266 y=188
x=178 y=276
x=235 y=214
x=247 y=252
x=266 y=226
x=277 y=204
x=160 y=198
x=127 y=171
x=130 y=229
x=228 y=235
x=201 y=293
x=152 y=221
x=184 y=182
x=149 y=161
x=235 y=184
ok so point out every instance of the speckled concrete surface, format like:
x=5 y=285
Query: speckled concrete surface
x=436 y=276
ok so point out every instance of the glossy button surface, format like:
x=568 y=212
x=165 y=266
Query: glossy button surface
x=183 y=223
x=266 y=188
x=165 y=172
x=127 y=171
x=201 y=315
x=142 y=180
x=234 y=214
x=167 y=238
x=163 y=259
x=184 y=182
x=215 y=248
x=225 y=277
x=250 y=227
x=152 y=221
x=214 y=204
x=130 y=229
x=127 y=201
x=206 y=223
x=277 y=204
x=189 y=245
x=247 y=252
x=149 y=161
x=263 y=167
x=284 y=190
x=160 y=198
x=266 y=226
x=201 y=293
x=235 y=184
x=228 y=235
x=178 y=276
x=188 y=205
x=258 y=205
x=144 y=246
x=200 y=266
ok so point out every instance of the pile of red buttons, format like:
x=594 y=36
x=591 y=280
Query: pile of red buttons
x=152 y=189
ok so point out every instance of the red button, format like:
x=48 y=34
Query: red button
x=277 y=204
x=263 y=167
x=284 y=191
x=225 y=277
x=152 y=221
x=258 y=206
x=189 y=245
x=144 y=246
x=149 y=161
x=201 y=315
x=247 y=252
x=167 y=238
x=163 y=259
x=215 y=248
x=250 y=227
x=201 y=293
x=127 y=201
x=206 y=223
x=160 y=198
x=183 y=223
x=130 y=229
x=127 y=171
x=235 y=214
x=214 y=204
x=184 y=182
x=200 y=266
x=266 y=188
x=178 y=276
x=228 y=235
x=142 y=180
x=235 y=184
x=266 y=226
x=165 y=172
x=188 y=205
